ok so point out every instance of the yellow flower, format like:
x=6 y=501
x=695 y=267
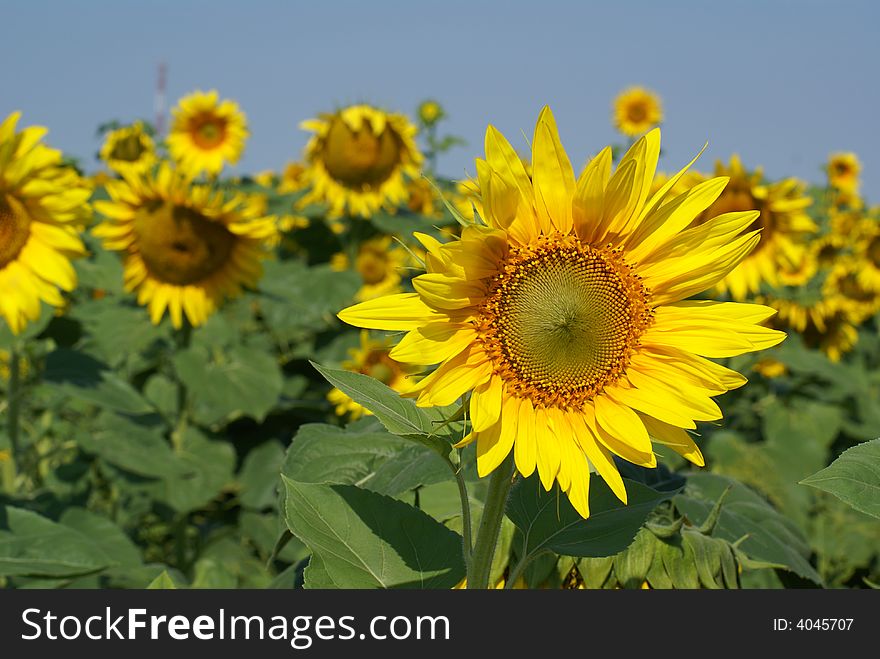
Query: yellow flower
x=6 y=359
x=129 y=148
x=467 y=198
x=265 y=178
x=636 y=111
x=430 y=112
x=843 y=172
x=186 y=247
x=43 y=207
x=846 y=284
x=770 y=368
x=837 y=334
x=825 y=251
x=293 y=178
x=422 y=198
x=868 y=254
x=372 y=359
x=206 y=133
x=379 y=262
x=844 y=223
x=357 y=160
x=783 y=222
x=565 y=317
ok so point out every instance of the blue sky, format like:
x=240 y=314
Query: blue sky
x=781 y=82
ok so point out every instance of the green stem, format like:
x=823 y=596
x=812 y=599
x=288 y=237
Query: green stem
x=467 y=542
x=10 y=466
x=520 y=567
x=490 y=525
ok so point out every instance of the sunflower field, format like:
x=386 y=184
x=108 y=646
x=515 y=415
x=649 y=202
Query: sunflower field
x=570 y=371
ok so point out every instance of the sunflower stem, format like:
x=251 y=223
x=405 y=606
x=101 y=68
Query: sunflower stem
x=467 y=542
x=10 y=466
x=182 y=338
x=520 y=567
x=490 y=525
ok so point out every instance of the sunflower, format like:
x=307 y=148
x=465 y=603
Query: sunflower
x=868 y=254
x=843 y=172
x=838 y=334
x=186 y=246
x=129 y=148
x=430 y=112
x=846 y=284
x=370 y=358
x=466 y=198
x=292 y=178
x=43 y=207
x=206 y=133
x=565 y=316
x=825 y=251
x=783 y=222
x=357 y=160
x=636 y=111
x=379 y=262
x=422 y=198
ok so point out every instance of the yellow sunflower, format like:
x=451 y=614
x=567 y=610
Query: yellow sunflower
x=636 y=111
x=843 y=172
x=422 y=198
x=129 y=148
x=206 y=133
x=430 y=112
x=370 y=358
x=845 y=283
x=825 y=251
x=466 y=198
x=868 y=254
x=566 y=315
x=784 y=224
x=43 y=207
x=358 y=159
x=838 y=334
x=186 y=246
x=293 y=178
x=380 y=263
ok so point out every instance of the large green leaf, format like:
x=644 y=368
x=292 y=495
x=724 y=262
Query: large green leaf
x=854 y=477
x=112 y=539
x=427 y=425
x=372 y=458
x=361 y=539
x=228 y=384
x=35 y=546
x=766 y=535
x=259 y=475
x=547 y=520
x=77 y=374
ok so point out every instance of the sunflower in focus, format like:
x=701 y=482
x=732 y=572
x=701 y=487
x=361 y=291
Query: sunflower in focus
x=43 y=208
x=206 y=133
x=843 y=172
x=129 y=148
x=379 y=262
x=565 y=316
x=358 y=159
x=636 y=111
x=785 y=226
x=186 y=247
x=370 y=358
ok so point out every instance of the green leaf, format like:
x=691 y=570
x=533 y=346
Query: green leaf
x=548 y=521
x=80 y=375
x=225 y=385
x=769 y=536
x=112 y=539
x=361 y=539
x=206 y=467
x=802 y=422
x=35 y=546
x=427 y=425
x=854 y=477
x=162 y=582
x=259 y=475
x=372 y=459
x=116 y=330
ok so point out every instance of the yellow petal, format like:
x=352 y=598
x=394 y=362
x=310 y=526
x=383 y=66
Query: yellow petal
x=552 y=176
x=547 y=449
x=485 y=405
x=433 y=343
x=403 y=311
x=525 y=449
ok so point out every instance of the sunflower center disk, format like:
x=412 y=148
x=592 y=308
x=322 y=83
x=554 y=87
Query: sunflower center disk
x=14 y=232
x=372 y=265
x=874 y=252
x=360 y=158
x=180 y=246
x=128 y=149
x=562 y=320
x=208 y=132
x=638 y=112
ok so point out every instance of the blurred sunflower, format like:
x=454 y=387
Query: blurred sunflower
x=636 y=111
x=129 y=148
x=186 y=247
x=422 y=198
x=43 y=208
x=845 y=284
x=379 y=261
x=843 y=171
x=825 y=251
x=466 y=198
x=837 y=334
x=867 y=251
x=206 y=133
x=566 y=316
x=370 y=358
x=844 y=223
x=293 y=178
x=358 y=159
x=783 y=223
x=430 y=112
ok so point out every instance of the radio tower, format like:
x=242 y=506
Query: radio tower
x=160 y=100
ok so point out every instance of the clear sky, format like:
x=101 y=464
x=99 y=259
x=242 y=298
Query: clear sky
x=781 y=82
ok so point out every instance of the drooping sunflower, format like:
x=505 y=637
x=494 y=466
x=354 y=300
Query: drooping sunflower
x=206 y=133
x=358 y=159
x=843 y=171
x=636 y=111
x=186 y=246
x=565 y=316
x=43 y=208
x=380 y=263
x=129 y=148
x=370 y=358
x=784 y=224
